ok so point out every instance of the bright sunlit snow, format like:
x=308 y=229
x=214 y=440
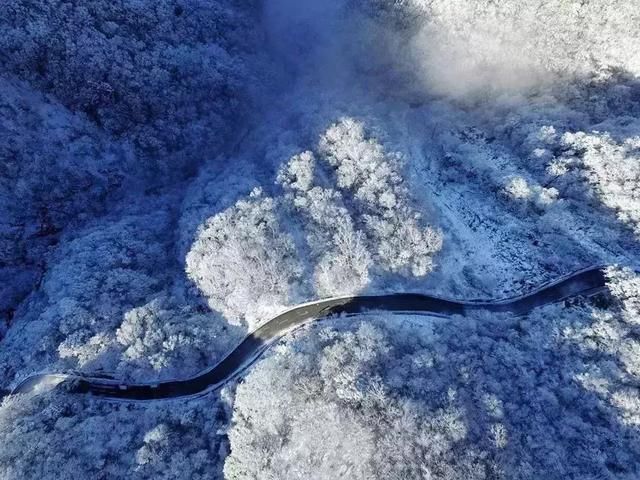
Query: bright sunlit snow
x=174 y=173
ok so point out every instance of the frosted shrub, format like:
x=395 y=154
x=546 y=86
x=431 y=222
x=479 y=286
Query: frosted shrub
x=518 y=189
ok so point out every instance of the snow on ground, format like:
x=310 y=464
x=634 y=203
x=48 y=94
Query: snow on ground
x=185 y=184
x=488 y=396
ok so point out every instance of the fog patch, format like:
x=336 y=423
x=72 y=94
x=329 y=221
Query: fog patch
x=474 y=62
x=465 y=49
x=303 y=32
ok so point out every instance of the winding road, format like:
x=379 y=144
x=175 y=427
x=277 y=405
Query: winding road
x=585 y=283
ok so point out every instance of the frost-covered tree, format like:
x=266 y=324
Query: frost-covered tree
x=529 y=170
x=323 y=235
x=342 y=258
x=369 y=220
x=612 y=168
x=363 y=170
x=169 y=75
x=63 y=436
x=624 y=284
x=162 y=339
x=485 y=397
x=402 y=14
x=244 y=262
x=334 y=384
x=345 y=268
x=94 y=278
x=56 y=169
x=322 y=442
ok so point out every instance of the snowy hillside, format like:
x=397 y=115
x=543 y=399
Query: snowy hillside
x=174 y=173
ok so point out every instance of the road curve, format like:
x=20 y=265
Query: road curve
x=585 y=282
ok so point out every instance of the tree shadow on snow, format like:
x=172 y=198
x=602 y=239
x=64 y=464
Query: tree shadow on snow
x=535 y=403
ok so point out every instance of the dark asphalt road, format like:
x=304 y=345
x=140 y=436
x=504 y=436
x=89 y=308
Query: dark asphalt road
x=583 y=283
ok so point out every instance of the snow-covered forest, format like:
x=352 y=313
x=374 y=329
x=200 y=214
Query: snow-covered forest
x=174 y=173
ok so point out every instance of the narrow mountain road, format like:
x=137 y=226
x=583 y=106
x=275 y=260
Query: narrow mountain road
x=586 y=283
